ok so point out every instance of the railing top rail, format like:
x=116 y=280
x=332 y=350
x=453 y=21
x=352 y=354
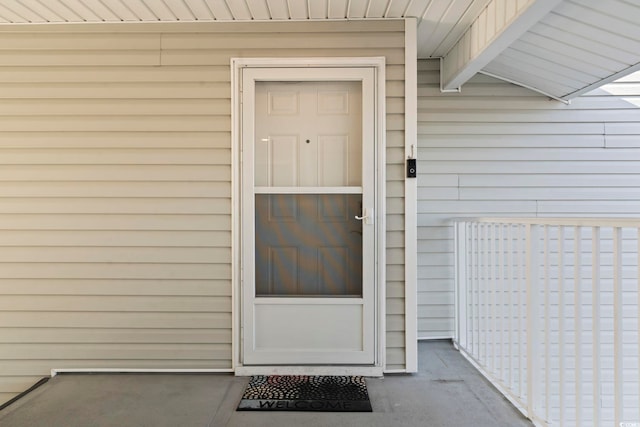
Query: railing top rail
x=576 y=222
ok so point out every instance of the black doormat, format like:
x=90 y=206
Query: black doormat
x=306 y=393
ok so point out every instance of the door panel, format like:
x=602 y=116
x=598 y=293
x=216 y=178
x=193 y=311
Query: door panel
x=308 y=245
x=313 y=329
x=308 y=135
x=333 y=160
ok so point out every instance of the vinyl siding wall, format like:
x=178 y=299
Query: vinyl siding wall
x=115 y=192
x=500 y=150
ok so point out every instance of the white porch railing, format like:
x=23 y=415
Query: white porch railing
x=548 y=310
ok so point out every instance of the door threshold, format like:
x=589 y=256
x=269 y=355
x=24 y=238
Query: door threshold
x=363 y=371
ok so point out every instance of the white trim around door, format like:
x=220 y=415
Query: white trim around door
x=411 y=199
x=247 y=361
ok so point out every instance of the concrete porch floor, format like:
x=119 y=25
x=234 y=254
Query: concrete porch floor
x=447 y=392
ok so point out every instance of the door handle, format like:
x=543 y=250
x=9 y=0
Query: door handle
x=367 y=216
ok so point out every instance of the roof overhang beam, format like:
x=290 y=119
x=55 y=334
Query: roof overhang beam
x=488 y=36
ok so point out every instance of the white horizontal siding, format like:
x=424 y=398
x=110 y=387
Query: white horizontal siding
x=500 y=150
x=115 y=189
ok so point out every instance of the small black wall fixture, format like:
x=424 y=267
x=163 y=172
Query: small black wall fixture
x=412 y=169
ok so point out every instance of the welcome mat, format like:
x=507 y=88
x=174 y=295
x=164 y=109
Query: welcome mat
x=306 y=393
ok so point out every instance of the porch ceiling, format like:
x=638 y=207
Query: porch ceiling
x=562 y=48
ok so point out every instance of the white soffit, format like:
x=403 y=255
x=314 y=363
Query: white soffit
x=440 y=22
x=579 y=46
x=500 y=24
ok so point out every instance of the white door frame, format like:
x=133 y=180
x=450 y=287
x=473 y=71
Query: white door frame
x=378 y=65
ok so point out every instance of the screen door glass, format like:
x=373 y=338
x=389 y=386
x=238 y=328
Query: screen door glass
x=308 y=245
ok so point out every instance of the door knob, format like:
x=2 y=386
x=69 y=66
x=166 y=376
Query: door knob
x=367 y=216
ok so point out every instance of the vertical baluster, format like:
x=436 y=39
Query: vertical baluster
x=482 y=349
x=469 y=284
x=457 y=283
x=547 y=326
x=480 y=291
x=533 y=314
x=474 y=294
x=465 y=281
x=472 y=279
x=477 y=293
x=522 y=304
x=469 y=289
x=595 y=314
x=492 y=294
x=577 y=298
x=617 y=324
x=501 y=283
x=561 y=323
x=510 y=308
x=485 y=293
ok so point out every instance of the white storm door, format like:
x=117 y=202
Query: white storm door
x=308 y=170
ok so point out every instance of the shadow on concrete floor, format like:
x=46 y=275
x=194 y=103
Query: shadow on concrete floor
x=446 y=392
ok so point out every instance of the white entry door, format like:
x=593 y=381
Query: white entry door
x=308 y=198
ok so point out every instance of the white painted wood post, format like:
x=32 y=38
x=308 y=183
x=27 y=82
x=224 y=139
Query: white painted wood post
x=461 y=283
x=456 y=284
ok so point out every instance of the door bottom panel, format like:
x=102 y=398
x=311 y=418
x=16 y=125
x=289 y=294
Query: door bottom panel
x=313 y=325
